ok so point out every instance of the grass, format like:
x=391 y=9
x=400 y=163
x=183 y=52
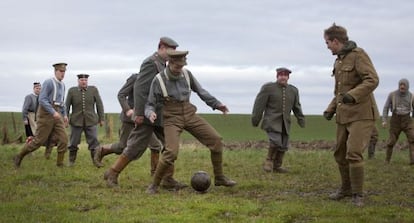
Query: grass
x=41 y=192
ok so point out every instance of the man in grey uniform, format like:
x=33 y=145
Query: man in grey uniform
x=126 y=100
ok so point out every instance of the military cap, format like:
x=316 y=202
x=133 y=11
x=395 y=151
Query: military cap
x=36 y=84
x=168 y=41
x=60 y=66
x=283 y=69
x=82 y=76
x=177 y=57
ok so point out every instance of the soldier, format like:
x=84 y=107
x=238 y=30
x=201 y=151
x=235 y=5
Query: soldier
x=51 y=117
x=83 y=99
x=355 y=108
x=274 y=104
x=401 y=104
x=171 y=90
x=143 y=131
x=126 y=100
x=30 y=105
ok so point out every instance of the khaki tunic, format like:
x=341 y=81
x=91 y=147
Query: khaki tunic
x=354 y=74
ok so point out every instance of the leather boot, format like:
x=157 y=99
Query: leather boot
x=371 y=150
x=155 y=156
x=278 y=160
x=388 y=154
x=100 y=152
x=72 y=157
x=48 y=151
x=219 y=178
x=162 y=168
x=60 y=158
x=356 y=173
x=111 y=175
x=19 y=157
x=411 y=148
x=345 y=190
x=268 y=163
x=169 y=183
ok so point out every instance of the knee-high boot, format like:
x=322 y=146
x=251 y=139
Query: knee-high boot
x=60 y=158
x=219 y=178
x=356 y=173
x=19 y=157
x=111 y=175
x=278 y=161
x=345 y=190
x=155 y=156
x=411 y=148
x=388 y=154
x=72 y=156
x=371 y=149
x=268 y=163
x=100 y=152
x=160 y=172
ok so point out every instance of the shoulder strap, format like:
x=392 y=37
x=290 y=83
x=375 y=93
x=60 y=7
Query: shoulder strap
x=187 y=78
x=162 y=85
x=393 y=101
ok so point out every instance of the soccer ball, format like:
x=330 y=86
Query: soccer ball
x=200 y=181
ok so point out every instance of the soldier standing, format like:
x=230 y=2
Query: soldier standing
x=274 y=104
x=51 y=117
x=171 y=90
x=84 y=99
x=143 y=131
x=355 y=108
x=401 y=104
x=126 y=100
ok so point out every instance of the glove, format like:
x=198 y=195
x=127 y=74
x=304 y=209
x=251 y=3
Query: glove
x=328 y=115
x=301 y=123
x=348 y=99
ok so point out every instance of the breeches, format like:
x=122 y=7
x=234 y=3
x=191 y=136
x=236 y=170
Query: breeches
x=182 y=116
x=139 y=138
x=91 y=136
x=48 y=127
x=351 y=141
x=398 y=124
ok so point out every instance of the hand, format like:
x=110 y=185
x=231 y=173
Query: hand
x=139 y=120
x=348 y=99
x=301 y=123
x=26 y=122
x=130 y=112
x=101 y=123
x=223 y=109
x=152 y=117
x=66 y=121
x=384 y=125
x=328 y=115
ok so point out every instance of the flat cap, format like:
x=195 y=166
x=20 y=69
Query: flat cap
x=177 y=57
x=168 y=41
x=60 y=66
x=283 y=69
x=82 y=76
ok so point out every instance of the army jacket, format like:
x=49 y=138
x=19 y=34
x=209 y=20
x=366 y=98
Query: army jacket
x=83 y=104
x=355 y=75
x=126 y=97
x=274 y=104
x=149 y=68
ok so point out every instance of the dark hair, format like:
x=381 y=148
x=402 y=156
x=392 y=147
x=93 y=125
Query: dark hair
x=336 y=32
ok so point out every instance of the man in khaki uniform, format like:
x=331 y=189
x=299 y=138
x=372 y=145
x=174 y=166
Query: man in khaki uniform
x=401 y=104
x=274 y=104
x=355 y=108
x=51 y=117
x=171 y=90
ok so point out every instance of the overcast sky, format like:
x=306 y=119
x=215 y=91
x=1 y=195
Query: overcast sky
x=235 y=45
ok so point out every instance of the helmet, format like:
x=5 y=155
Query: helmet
x=200 y=181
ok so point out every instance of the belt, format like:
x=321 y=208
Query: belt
x=55 y=103
x=175 y=101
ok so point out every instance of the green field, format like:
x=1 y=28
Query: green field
x=41 y=192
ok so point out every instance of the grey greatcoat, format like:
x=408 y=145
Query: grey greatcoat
x=274 y=104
